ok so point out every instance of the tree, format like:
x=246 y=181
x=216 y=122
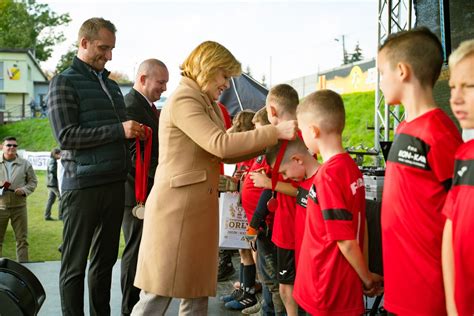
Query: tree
x=26 y=24
x=66 y=59
x=248 y=71
x=119 y=77
x=357 y=55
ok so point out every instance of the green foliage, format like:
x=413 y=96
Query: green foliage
x=32 y=134
x=360 y=109
x=26 y=24
x=66 y=59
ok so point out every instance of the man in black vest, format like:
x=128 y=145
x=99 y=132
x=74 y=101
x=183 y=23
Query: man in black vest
x=150 y=83
x=87 y=114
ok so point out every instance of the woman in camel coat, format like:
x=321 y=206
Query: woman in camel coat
x=179 y=246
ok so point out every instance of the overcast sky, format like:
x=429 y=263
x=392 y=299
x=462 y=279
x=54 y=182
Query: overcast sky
x=279 y=39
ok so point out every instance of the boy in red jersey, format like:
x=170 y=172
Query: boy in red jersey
x=331 y=265
x=300 y=166
x=457 y=249
x=417 y=177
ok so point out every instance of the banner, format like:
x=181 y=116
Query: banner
x=232 y=222
x=38 y=159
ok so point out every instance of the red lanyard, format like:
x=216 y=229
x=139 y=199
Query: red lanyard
x=272 y=204
x=141 y=168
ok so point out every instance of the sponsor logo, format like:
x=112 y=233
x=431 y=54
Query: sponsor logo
x=410 y=151
x=283 y=272
x=464 y=173
x=260 y=159
x=302 y=197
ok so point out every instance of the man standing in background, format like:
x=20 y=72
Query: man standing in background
x=17 y=181
x=150 y=83
x=87 y=114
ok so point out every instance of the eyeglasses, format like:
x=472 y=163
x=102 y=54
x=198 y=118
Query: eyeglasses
x=11 y=145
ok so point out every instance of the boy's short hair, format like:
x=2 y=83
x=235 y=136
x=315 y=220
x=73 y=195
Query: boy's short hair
x=464 y=50
x=326 y=109
x=261 y=117
x=242 y=122
x=91 y=27
x=419 y=48
x=54 y=152
x=285 y=96
x=295 y=146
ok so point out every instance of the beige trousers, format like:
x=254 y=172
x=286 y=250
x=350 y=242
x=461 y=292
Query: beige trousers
x=19 y=221
x=151 y=304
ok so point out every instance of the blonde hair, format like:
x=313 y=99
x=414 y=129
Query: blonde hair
x=326 y=109
x=242 y=122
x=261 y=117
x=464 y=50
x=286 y=97
x=91 y=27
x=206 y=60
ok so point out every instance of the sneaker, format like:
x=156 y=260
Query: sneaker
x=255 y=309
x=245 y=301
x=235 y=295
x=49 y=218
x=226 y=271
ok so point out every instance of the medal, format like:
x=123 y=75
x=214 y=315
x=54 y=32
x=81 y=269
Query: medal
x=272 y=204
x=141 y=173
x=139 y=211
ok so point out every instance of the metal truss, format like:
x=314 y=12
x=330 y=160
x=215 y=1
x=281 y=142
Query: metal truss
x=393 y=16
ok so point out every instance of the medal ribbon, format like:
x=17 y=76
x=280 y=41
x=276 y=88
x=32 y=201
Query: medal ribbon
x=272 y=203
x=141 y=168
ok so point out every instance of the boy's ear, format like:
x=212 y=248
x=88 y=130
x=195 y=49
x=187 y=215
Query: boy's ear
x=297 y=158
x=404 y=71
x=315 y=131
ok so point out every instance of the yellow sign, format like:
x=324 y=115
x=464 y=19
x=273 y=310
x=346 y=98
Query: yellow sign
x=14 y=72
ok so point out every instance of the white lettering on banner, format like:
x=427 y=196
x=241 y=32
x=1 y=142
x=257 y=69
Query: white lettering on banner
x=38 y=159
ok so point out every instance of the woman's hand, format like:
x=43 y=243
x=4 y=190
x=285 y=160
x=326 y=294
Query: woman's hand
x=287 y=129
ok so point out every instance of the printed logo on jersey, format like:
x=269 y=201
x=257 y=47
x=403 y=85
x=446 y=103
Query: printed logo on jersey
x=302 y=197
x=260 y=159
x=312 y=194
x=359 y=183
x=463 y=172
x=410 y=151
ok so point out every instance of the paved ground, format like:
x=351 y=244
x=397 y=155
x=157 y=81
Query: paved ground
x=48 y=274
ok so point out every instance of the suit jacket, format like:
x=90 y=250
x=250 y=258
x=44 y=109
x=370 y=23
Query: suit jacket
x=138 y=109
x=23 y=177
x=179 y=246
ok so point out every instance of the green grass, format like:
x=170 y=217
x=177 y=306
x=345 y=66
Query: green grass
x=32 y=134
x=44 y=237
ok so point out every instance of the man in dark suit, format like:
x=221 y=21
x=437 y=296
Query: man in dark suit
x=150 y=83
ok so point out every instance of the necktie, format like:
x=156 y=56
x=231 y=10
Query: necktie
x=157 y=113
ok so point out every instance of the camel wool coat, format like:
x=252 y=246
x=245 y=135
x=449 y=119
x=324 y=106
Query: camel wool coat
x=178 y=254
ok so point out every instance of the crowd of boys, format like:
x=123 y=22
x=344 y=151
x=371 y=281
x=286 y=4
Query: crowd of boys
x=313 y=228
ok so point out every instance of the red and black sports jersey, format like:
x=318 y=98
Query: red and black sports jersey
x=250 y=193
x=300 y=213
x=284 y=222
x=459 y=208
x=326 y=283
x=419 y=172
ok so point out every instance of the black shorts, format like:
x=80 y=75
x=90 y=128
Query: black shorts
x=286 y=270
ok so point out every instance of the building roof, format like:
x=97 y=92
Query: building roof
x=27 y=52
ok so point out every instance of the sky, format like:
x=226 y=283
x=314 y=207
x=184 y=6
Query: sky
x=280 y=40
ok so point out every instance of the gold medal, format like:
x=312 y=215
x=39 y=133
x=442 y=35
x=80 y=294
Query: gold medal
x=139 y=211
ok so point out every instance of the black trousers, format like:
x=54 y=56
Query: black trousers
x=132 y=230
x=92 y=219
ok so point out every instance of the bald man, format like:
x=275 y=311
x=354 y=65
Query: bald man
x=150 y=83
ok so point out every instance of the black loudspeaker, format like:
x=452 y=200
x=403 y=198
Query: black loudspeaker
x=21 y=293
